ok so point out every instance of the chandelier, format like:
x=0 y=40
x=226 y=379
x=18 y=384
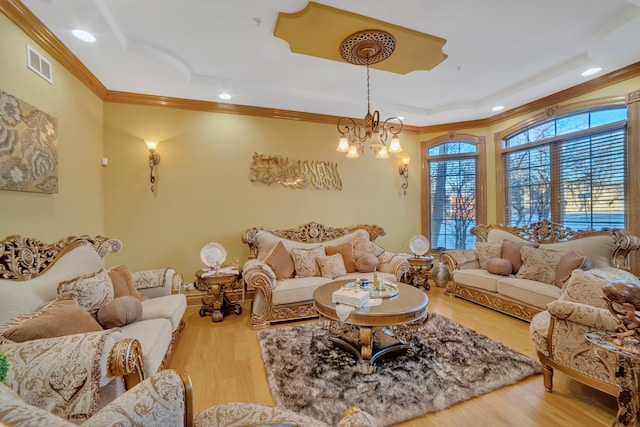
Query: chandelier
x=366 y=48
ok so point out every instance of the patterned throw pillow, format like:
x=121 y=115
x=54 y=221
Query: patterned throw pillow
x=539 y=264
x=91 y=290
x=488 y=250
x=305 y=261
x=363 y=246
x=331 y=266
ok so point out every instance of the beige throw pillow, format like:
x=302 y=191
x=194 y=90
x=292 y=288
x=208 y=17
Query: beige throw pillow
x=511 y=252
x=499 y=266
x=539 y=264
x=346 y=250
x=58 y=318
x=487 y=250
x=569 y=262
x=363 y=246
x=367 y=263
x=120 y=311
x=91 y=290
x=122 y=282
x=305 y=261
x=280 y=261
x=331 y=266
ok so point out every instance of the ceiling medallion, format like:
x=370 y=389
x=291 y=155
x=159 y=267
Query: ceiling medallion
x=367 y=47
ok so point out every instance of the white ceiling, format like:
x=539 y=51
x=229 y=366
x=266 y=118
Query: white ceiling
x=506 y=52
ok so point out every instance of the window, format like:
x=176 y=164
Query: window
x=569 y=170
x=452 y=197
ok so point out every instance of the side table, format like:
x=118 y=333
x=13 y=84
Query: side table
x=628 y=359
x=418 y=274
x=216 y=286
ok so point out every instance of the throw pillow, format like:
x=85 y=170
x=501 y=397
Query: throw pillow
x=305 y=261
x=367 y=263
x=346 y=250
x=120 y=311
x=499 y=266
x=569 y=262
x=487 y=250
x=91 y=290
x=511 y=252
x=363 y=246
x=280 y=261
x=539 y=264
x=331 y=266
x=122 y=282
x=57 y=318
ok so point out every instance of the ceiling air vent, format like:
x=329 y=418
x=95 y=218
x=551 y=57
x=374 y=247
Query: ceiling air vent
x=38 y=64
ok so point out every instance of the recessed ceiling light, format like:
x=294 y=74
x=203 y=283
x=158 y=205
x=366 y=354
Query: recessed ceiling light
x=498 y=108
x=84 y=36
x=401 y=117
x=591 y=71
x=224 y=96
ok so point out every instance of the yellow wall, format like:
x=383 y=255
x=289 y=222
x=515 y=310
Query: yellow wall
x=204 y=193
x=77 y=208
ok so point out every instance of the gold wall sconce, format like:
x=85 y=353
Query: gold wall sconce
x=154 y=159
x=404 y=172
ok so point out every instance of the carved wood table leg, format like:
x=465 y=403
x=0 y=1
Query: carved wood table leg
x=628 y=398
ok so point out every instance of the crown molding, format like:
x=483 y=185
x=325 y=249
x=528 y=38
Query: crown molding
x=21 y=16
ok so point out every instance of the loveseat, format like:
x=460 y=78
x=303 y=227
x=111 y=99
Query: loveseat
x=69 y=325
x=519 y=270
x=286 y=266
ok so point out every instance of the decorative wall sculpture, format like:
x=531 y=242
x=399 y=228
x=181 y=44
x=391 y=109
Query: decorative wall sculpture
x=311 y=174
x=28 y=153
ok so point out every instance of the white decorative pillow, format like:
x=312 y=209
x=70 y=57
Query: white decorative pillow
x=332 y=266
x=540 y=265
x=363 y=246
x=488 y=250
x=305 y=261
x=91 y=290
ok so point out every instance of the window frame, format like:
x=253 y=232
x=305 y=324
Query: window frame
x=481 y=175
x=554 y=112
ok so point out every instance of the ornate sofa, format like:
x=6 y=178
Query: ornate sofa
x=558 y=332
x=526 y=290
x=107 y=361
x=291 y=298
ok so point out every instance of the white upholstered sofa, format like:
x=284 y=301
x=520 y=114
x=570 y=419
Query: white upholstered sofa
x=289 y=296
x=542 y=271
x=30 y=275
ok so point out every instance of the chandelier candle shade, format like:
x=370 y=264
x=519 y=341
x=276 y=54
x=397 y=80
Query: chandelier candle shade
x=366 y=48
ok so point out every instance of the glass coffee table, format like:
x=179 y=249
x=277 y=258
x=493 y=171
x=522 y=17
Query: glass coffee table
x=371 y=333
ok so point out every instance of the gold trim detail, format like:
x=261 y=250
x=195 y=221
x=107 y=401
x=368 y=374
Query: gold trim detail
x=24 y=258
x=125 y=360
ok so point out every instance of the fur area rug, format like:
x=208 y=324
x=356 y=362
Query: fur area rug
x=449 y=364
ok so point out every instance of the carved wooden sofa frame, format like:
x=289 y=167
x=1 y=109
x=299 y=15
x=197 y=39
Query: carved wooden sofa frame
x=311 y=232
x=543 y=232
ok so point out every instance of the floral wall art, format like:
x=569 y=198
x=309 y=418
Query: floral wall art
x=28 y=153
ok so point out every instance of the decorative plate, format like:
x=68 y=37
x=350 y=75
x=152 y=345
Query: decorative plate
x=419 y=245
x=213 y=254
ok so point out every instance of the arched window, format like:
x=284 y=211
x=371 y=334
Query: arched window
x=570 y=169
x=452 y=200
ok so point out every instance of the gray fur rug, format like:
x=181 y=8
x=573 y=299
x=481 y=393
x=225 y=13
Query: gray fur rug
x=449 y=364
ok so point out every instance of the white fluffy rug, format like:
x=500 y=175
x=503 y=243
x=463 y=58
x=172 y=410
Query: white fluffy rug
x=449 y=364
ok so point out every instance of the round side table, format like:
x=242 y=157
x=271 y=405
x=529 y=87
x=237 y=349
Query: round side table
x=215 y=287
x=418 y=274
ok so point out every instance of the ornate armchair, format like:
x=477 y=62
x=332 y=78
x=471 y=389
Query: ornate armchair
x=558 y=332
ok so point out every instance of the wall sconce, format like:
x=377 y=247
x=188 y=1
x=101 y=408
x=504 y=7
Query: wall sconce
x=404 y=172
x=154 y=159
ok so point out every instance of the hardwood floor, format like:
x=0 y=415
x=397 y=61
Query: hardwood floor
x=225 y=365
